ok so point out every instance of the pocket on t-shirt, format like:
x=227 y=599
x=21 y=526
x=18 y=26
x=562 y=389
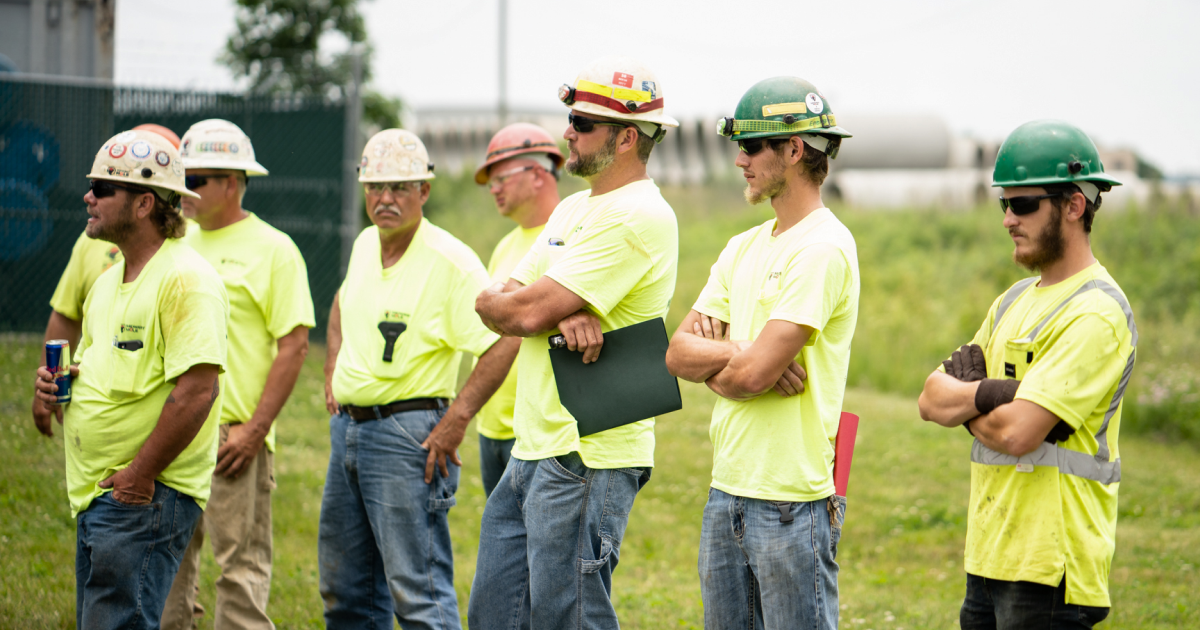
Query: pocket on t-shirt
x=1018 y=354
x=127 y=371
x=764 y=306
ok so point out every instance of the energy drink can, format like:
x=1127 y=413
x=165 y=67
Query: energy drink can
x=58 y=361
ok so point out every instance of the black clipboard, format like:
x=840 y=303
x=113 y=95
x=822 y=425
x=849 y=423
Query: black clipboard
x=628 y=383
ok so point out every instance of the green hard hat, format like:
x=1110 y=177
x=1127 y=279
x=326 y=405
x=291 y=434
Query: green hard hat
x=782 y=106
x=1049 y=152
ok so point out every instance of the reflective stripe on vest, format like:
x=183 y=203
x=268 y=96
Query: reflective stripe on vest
x=1095 y=467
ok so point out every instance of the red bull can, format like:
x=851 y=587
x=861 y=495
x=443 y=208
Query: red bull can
x=58 y=361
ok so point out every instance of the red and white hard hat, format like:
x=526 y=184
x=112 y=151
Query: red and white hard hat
x=518 y=139
x=621 y=88
x=144 y=158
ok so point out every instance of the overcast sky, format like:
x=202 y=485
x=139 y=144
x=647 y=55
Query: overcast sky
x=1127 y=73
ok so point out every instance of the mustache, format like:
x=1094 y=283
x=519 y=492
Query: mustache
x=392 y=207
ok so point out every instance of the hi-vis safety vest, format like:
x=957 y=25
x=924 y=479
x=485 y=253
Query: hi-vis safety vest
x=1019 y=354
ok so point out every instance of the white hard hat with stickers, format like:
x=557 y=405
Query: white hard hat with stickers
x=621 y=88
x=143 y=158
x=394 y=155
x=216 y=143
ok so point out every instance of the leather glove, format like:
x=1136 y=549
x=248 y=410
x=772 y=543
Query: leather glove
x=967 y=364
x=1060 y=432
x=994 y=392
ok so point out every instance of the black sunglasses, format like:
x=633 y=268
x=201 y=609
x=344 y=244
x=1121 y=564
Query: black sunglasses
x=588 y=125
x=102 y=188
x=198 y=181
x=1028 y=204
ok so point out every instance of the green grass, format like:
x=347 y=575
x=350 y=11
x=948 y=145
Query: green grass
x=901 y=551
x=928 y=279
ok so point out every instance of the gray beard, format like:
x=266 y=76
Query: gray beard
x=591 y=165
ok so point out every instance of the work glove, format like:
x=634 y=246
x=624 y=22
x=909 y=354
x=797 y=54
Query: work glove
x=967 y=364
x=994 y=392
x=1060 y=432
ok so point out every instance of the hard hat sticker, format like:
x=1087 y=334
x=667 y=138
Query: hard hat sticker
x=382 y=149
x=117 y=171
x=815 y=104
x=177 y=169
x=622 y=79
x=410 y=146
x=648 y=86
x=233 y=147
x=116 y=150
x=417 y=166
x=162 y=158
x=779 y=109
x=128 y=136
x=140 y=149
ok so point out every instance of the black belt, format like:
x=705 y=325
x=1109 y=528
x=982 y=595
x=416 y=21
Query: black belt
x=366 y=414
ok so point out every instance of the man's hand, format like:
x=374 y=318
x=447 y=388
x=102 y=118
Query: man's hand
x=241 y=445
x=711 y=328
x=791 y=382
x=442 y=445
x=967 y=364
x=129 y=487
x=331 y=405
x=45 y=398
x=581 y=329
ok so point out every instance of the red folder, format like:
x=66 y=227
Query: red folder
x=843 y=452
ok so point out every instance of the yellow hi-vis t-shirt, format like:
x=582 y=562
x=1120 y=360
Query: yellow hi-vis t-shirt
x=89 y=258
x=267 y=284
x=431 y=290
x=1054 y=511
x=619 y=252
x=496 y=417
x=775 y=448
x=177 y=308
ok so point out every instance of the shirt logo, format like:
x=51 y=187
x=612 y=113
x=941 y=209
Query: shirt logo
x=774 y=275
x=1010 y=370
x=230 y=261
x=555 y=242
x=395 y=316
x=132 y=328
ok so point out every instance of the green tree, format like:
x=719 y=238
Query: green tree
x=277 y=46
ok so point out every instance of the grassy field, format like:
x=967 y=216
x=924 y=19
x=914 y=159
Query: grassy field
x=928 y=279
x=901 y=554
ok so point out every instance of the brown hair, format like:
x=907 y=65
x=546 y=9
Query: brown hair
x=167 y=218
x=814 y=164
x=1068 y=190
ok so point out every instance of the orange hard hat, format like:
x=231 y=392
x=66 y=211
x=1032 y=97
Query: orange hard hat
x=514 y=140
x=162 y=131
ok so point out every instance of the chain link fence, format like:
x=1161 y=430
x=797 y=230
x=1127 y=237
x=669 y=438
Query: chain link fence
x=50 y=132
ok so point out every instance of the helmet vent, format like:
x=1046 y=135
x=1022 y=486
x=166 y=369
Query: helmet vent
x=1074 y=166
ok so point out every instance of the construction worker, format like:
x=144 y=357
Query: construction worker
x=521 y=173
x=1040 y=387
x=770 y=334
x=607 y=259
x=270 y=312
x=396 y=327
x=89 y=258
x=141 y=427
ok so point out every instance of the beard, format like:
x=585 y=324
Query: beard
x=1048 y=247
x=591 y=165
x=120 y=228
x=774 y=184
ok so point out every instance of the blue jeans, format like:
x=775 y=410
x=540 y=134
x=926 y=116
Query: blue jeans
x=759 y=572
x=126 y=557
x=1000 y=605
x=493 y=459
x=383 y=544
x=549 y=543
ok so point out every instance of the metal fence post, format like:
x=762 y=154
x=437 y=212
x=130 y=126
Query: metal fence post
x=351 y=207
